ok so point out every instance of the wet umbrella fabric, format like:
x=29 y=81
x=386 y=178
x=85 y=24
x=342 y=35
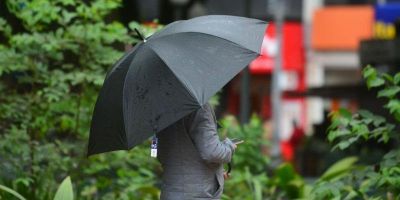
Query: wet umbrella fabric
x=170 y=75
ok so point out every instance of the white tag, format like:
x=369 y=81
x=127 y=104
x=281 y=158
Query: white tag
x=153 y=153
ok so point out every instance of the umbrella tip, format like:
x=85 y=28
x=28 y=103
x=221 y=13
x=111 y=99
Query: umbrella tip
x=140 y=35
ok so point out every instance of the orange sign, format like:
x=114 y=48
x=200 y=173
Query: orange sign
x=342 y=27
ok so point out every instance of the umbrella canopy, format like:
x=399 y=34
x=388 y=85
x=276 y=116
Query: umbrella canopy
x=170 y=75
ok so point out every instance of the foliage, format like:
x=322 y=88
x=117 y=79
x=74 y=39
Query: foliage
x=64 y=191
x=245 y=185
x=339 y=169
x=381 y=180
x=11 y=191
x=248 y=154
x=346 y=179
x=286 y=183
x=51 y=70
x=362 y=126
x=328 y=186
x=249 y=163
x=122 y=175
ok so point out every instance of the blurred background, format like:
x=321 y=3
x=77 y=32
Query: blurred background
x=54 y=56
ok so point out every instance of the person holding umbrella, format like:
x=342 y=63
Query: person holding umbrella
x=161 y=87
x=192 y=157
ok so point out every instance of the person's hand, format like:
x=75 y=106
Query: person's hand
x=227 y=175
x=234 y=146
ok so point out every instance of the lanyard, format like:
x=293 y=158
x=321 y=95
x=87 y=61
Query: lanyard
x=154 y=144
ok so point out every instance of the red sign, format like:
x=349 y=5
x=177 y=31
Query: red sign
x=293 y=51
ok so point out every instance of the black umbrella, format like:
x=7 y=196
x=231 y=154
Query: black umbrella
x=170 y=75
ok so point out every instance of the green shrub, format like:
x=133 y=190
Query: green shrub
x=248 y=154
x=249 y=164
x=51 y=70
x=379 y=181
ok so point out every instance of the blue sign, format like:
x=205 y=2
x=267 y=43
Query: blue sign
x=387 y=13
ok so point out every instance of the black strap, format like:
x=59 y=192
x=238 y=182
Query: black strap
x=230 y=165
x=229 y=168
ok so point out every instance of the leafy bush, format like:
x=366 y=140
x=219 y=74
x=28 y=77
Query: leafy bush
x=248 y=154
x=248 y=163
x=379 y=181
x=346 y=179
x=51 y=70
x=64 y=191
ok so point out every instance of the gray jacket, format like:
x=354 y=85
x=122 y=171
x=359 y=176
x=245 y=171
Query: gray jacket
x=192 y=157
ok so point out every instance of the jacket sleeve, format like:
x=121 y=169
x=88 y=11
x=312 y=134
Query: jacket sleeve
x=203 y=131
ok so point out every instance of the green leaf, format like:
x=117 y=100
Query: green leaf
x=362 y=130
x=351 y=195
x=257 y=189
x=345 y=113
x=337 y=133
x=346 y=143
x=388 y=77
x=285 y=173
x=5 y=28
x=393 y=106
x=375 y=82
x=378 y=120
x=67 y=16
x=396 y=78
x=372 y=78
x=389 y=92
x=65 y=191
x=369 y=71
x=367 y=121
x=397 y=116
x=11 y=191
x=385 y=138
x=332 y=136
x=365 y=113
x=68 y=2
x=339 y=169
x=25 y=181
